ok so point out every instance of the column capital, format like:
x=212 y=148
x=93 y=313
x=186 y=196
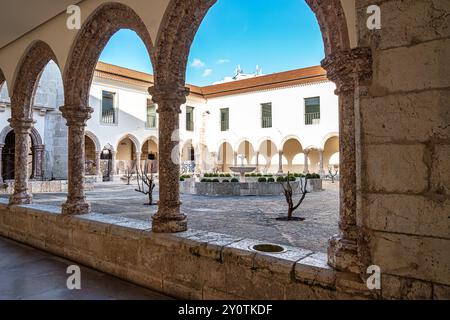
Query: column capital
x=172 y=96
x=24 y=125
x=76 y=115
x=348 y=68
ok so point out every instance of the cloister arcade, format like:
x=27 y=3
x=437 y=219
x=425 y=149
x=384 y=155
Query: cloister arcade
x=373 y=78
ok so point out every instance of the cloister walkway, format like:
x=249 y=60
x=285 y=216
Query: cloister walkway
x=30 y=274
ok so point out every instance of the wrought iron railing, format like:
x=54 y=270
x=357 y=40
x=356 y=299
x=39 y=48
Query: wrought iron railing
x=312 y=118
x=266 y=122
x=109 y=116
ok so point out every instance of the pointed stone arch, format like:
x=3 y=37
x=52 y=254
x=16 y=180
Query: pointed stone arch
x=133 y=139
x=94 y=139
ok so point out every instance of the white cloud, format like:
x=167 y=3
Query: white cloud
x=197 y=63
x=223 y=61
x=207 y=72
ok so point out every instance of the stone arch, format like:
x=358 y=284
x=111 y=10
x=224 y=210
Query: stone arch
x=106 y=20
x=349 y=68
x=35 y=136
x=94 y=139
x=137 y=145
x=326 y=137
x=2 y=78
x=33 y=62
x=151 y=138
x=286 y=139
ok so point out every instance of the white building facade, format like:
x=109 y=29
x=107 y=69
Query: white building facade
x=278 y=123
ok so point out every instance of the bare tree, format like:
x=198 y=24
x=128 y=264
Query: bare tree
x=332 y=176
x=145 y=182
x=288 y=193
x=129 y=171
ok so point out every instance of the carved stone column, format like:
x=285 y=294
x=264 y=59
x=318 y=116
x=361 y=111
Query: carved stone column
x=76 y=117
x=280 y=162
x=98 y=169
x=351 y=71
x=137 y=155
x=38 y=156
x=1 y=162
x=169 y=98
x=321 y=170
x=306 y=162
x=22 y=129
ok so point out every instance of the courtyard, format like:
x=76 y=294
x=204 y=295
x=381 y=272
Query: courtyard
x=246 y=217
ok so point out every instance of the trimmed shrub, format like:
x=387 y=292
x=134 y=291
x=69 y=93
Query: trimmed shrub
x=225 y=180
x=280 y=179
x=181 y=179
x=262 y=180
x=270 y=180
x=234 y=180
x=215 y=180
x=227 y=175
x=222 y=175
x=205 y=180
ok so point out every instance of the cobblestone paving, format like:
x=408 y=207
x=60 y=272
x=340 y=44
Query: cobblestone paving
x=247 y=217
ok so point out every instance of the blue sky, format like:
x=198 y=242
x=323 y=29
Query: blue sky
x=277 y=35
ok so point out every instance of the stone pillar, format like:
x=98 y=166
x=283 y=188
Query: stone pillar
x=169 y=99
x=98 y=167
x=321 y=170
x=257 y=161
x=137 y=155
x=351 y=72
x=76 y=117
x=38 y=156
x=1 y=162
x=22 y=129
x=306 y=163
x=235 y=159
x=280 y=162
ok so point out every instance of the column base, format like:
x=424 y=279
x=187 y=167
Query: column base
x=343 y=254
x=76 y=208
x=20 y=198
x=169 y=223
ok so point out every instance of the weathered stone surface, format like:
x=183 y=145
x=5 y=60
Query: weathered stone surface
x=393 y=71
x=441 y=292
x=407 y=118
x=410 y=256
x=419 y=21
x=416 y=215
x=393 y=287
x=440 y=171
x=396 y=168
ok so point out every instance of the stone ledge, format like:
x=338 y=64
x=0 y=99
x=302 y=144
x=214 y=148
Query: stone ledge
x=193 y=264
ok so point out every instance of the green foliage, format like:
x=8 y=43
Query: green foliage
x=225 y=180
x=271 y=180
x=280 y=179
x=205 y=180
x=215 y=180
x=181 y=179
x=234 y=180
x=262 y=180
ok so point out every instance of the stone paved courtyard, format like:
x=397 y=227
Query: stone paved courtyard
x=247 y=217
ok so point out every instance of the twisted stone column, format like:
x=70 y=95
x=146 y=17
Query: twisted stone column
x=351 y=71
x=169 y=98
x=22 y=129
x=306 y=163
x=76 y=117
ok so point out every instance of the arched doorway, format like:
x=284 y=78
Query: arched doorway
x=149 y=153
x=106 y=163
x=267 y=151
x=225 y=157
x=34 y=157
x=294 y=154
